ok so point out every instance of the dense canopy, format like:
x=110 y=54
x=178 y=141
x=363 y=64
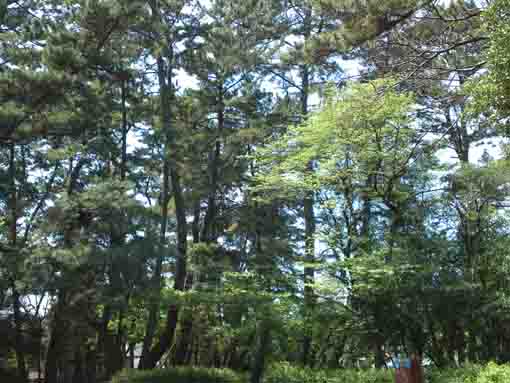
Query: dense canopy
x=212 y=183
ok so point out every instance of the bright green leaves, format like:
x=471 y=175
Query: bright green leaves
x=363 y=129
x=492 y=90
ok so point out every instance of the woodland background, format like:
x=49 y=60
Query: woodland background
x=227 y=184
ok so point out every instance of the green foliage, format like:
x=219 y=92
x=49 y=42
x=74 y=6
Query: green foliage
x=363 y=129
x=364 y=24
x=179 y=375
x=490 y=373
x=465 y=374
x=129 y=197
x=493 y=373
x=492 y=90
x=287 y=373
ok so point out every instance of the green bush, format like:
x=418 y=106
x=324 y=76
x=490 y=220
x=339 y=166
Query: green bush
x=286 y=373
x=465 y=374
x=491 y=373
x=178 y=375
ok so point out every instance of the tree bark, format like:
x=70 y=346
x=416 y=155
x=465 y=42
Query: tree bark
x=309 y=216
x=153 y=319
x=13 y=242
x=260 y=356
x=150 y=359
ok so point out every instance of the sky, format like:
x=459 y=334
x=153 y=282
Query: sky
x=351 y=69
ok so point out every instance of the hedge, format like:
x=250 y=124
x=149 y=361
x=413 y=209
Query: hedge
x=179 y=375
x=287 y=373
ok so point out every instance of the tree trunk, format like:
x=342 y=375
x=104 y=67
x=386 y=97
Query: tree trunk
x=150 y=359
x=13 y=241
x=309 y=216
x=153 y=319
x=60 y=361
x=260 y=356
x=18 y=323
x=209 y=232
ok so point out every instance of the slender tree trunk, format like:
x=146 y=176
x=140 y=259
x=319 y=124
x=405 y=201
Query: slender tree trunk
x=183 y=353
x=186 y=335
x=261 y=353
x=309 y=277
x=309 y=216
x=108 y=362
x=102 y=340
x=60 y=360
x=263 y=347
x=208 y=231
x=379 y=353
x=123 y=166
x=153 y=319
x=18 y=323
x=51 y=366
x=195 y=226
x=13 y=239
x=150 y=359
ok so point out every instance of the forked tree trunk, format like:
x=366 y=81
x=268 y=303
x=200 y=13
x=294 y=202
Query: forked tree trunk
x=164 y=67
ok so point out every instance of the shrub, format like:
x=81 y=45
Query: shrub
x=178 y=375
x=368 y=375
x=491 y=373
x=286 y=373
x=466 y=374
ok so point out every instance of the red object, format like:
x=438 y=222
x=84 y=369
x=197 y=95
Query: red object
x=402 y=375
x=416 y=371
x=410 y=375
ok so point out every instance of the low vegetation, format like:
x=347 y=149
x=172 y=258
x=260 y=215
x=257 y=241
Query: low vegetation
x=179 y=375
x=286 y=373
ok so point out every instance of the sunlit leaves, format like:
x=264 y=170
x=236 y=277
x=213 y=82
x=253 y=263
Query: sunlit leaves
x=363 y=129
